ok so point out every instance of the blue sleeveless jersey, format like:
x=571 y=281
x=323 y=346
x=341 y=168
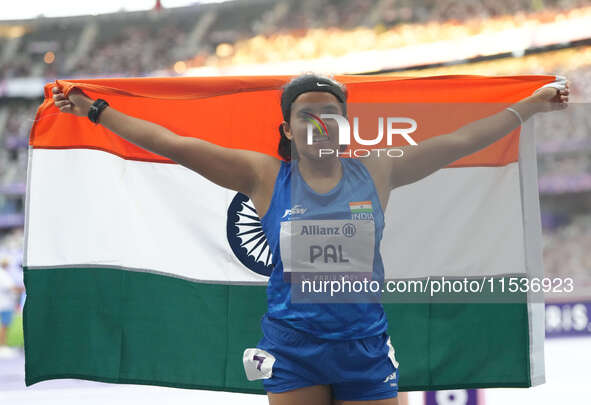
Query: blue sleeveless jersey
x=353 y=320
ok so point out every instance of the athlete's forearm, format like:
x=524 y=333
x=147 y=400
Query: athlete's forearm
x=479 y=134
x=145 y=134
x=226 y=167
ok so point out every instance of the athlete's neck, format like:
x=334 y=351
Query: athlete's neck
x=321 y=175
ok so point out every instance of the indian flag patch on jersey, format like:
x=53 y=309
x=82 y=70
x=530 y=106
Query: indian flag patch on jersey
x=361 y=210
x=358 y=207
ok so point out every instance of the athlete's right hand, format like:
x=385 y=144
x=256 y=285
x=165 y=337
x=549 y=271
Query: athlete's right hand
x=76 y=103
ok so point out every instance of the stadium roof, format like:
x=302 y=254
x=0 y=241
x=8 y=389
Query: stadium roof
x=29 y=9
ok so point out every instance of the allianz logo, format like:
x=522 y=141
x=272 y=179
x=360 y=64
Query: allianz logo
x=295 y=210
x=348 y=230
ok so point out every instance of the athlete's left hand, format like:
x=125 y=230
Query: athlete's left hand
x=551 y=99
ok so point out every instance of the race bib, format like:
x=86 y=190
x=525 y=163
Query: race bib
x=327 y=246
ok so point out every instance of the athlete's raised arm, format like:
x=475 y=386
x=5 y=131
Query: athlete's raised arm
x=431 y=155
x=240 y=170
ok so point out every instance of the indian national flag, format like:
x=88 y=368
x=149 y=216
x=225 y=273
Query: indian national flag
x=360 y=206
x=141 y=271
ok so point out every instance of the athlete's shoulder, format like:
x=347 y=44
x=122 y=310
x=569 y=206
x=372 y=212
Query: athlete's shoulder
x=375 y=169
x=362 y=166
x=268 y=167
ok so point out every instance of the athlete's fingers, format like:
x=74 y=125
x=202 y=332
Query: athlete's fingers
x=62 y=103
x=66 y=108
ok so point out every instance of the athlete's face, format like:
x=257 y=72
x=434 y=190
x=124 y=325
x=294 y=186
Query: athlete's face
x=306 y=110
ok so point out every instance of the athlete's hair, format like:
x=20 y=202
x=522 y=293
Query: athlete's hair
x=305 y=83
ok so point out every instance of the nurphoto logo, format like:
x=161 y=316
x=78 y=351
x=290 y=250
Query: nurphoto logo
x=391 y=125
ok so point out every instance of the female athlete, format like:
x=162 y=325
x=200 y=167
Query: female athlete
x=313 y=353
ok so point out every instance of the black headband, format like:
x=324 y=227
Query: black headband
x=304 y=84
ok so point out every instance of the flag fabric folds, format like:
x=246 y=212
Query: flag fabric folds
x=136 y=272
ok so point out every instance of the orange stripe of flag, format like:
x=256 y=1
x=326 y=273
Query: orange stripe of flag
x=244 y=112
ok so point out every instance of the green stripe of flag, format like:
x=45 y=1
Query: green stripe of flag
x=125 y=326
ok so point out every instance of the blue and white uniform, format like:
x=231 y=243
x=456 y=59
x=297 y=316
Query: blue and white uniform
x=342 y=344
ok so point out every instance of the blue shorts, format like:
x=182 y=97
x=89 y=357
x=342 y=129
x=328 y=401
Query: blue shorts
x=5 y=317
x=357 y=370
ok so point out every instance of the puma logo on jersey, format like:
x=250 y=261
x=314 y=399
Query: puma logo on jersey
x=391 y=377
x=295 y=210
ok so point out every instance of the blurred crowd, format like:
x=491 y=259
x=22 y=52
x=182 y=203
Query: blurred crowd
x=134 y=50
x=259 y=31
x=12 y=291
x=566 y=250
x=16 y=119
x=311 y=44
x=11 y=252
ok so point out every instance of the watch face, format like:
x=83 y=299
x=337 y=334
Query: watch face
x=92 y=113
x=96 y=108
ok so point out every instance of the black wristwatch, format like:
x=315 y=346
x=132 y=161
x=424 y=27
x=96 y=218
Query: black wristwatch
x=96 y=109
